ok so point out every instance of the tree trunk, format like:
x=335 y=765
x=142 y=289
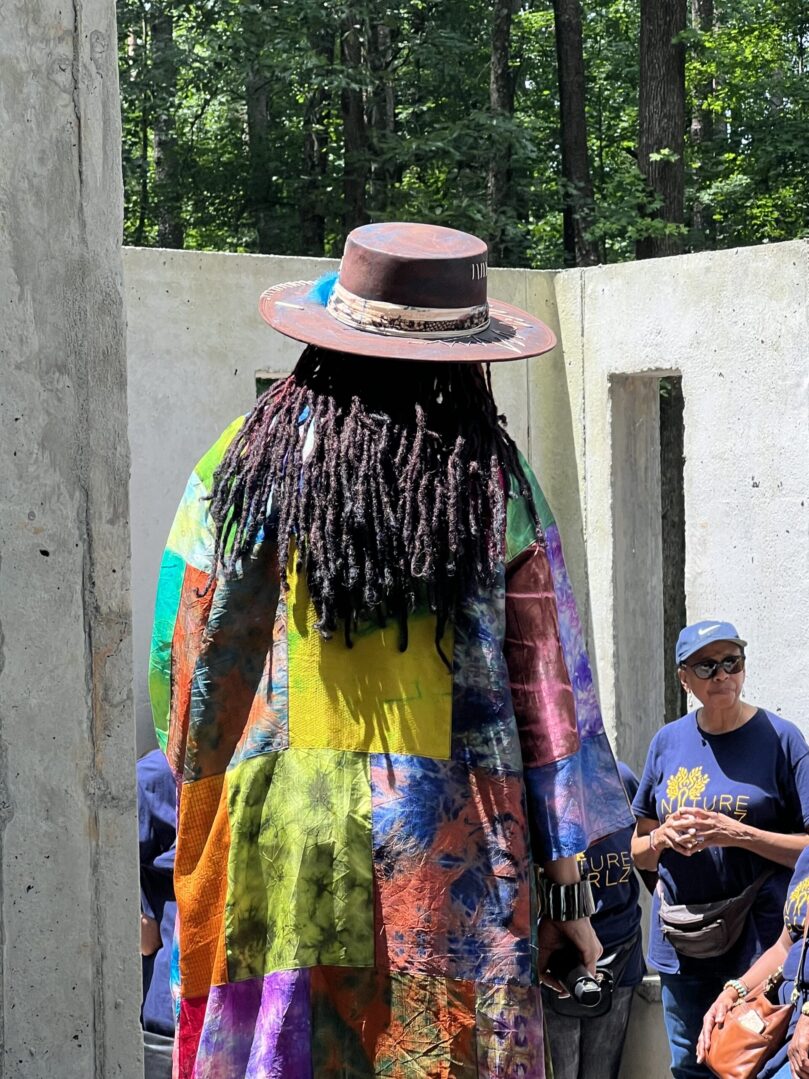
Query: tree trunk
x=702 y=119
x=672 y=508
x=662 y=118
x=315 y=157
x=355 y=132
x=578 y=200
x=702 y=19
x=382 y=116
x=259 y=180
x=501 y=103
x=168 y=194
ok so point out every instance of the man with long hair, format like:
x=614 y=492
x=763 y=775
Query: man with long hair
x=369 y=677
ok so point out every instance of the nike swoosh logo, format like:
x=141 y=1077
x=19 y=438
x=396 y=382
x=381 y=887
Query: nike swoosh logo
x=708 y=629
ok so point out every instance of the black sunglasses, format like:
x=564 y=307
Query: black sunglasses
x=707 y=668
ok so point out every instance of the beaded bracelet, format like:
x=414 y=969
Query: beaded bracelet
x=740 y=987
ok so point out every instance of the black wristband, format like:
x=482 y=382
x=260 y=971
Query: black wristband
x=565 y=902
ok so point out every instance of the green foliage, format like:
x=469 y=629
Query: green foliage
x=431 y=134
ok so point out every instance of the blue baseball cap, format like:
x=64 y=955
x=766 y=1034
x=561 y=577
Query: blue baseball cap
x=692 y=638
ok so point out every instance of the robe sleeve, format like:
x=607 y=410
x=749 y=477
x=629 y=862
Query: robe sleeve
x=181 y=608
x=574 y=791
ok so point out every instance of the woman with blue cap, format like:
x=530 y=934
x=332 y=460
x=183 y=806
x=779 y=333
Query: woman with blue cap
x=722 y=815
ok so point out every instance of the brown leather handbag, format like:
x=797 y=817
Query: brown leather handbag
x=755 y=1028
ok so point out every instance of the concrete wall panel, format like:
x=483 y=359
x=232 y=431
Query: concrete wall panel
x=734 y=323
x=68 y=868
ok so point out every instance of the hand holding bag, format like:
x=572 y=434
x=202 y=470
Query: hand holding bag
x=755 y=1028
x=609 y=970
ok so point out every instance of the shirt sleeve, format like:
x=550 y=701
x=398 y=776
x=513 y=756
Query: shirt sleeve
x=644 y=803
x=575 y=795
x=798 y=778
x=182 y=604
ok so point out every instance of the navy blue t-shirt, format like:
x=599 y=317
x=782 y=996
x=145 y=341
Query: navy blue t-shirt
x=616 y=890
x=795 y=912
x=157 y=831
x=758 y=774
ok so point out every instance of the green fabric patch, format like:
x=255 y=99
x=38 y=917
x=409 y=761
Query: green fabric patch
x=520 y=532
x=169 y=589
x=300 y=869
x=209 y=463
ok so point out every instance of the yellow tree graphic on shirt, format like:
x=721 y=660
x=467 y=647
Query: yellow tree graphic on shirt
x=798 y=903
x=686 y=786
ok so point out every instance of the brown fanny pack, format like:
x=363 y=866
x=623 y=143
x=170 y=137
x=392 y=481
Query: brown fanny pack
x=706 y=930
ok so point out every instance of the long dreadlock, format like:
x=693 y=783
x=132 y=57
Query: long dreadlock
x=388 y=479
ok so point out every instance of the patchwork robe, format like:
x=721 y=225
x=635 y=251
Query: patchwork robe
x=357 y=828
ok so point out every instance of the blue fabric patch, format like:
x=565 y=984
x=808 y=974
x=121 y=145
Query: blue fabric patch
x=577 y=801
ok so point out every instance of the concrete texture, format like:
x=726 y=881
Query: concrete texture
x=734 y=325
x=68 y=866
x=646 y=1050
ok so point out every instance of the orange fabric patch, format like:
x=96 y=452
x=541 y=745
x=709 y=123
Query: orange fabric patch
x=200 y=884
x=192 y=617
x=451 y=868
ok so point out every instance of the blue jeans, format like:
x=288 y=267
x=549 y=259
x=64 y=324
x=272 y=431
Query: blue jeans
x=686 y=999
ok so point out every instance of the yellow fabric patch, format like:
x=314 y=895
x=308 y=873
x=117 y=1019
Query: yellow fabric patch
x=371 y=698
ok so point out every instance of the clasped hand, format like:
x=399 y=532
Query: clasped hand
x=691 y=829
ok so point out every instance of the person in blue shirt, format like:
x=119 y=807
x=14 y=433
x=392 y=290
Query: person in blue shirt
x=157 y=831
x=792 y=1059
x=723 y=804
x=591 y=1048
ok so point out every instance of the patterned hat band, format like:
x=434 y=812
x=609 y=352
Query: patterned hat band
x=399 y=320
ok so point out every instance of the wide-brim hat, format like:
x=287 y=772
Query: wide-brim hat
x=411 y=292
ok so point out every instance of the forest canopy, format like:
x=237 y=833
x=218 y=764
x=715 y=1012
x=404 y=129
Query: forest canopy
x=563 y=132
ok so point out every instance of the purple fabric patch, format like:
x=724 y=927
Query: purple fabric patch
x=257 y=1029
x=588 y=713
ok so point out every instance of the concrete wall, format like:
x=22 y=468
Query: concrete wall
x=734 y=325
x=70 y=983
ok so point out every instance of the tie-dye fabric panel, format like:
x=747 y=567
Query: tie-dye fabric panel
x=358 y=828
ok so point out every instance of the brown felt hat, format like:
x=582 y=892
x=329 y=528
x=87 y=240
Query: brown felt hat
x=411 y=292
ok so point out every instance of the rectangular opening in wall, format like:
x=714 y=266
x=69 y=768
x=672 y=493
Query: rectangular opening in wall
x=672 y=515
x=265 y=379
x=649 y=554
